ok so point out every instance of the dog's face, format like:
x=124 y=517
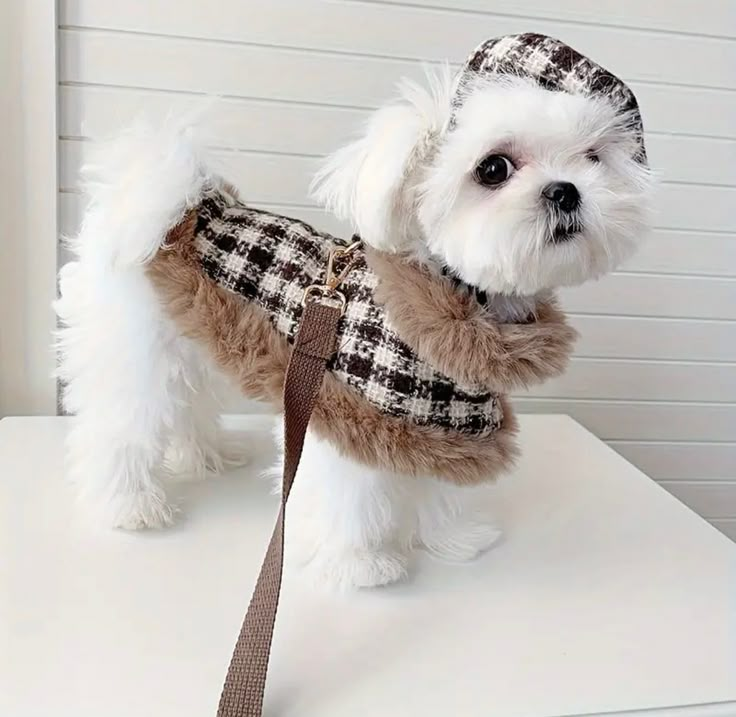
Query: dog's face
x=529 y=190
x=533 y=189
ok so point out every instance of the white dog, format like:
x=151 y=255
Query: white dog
x=524 y=173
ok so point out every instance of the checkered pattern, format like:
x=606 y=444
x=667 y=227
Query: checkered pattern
x=553 y=65
x=272 y=259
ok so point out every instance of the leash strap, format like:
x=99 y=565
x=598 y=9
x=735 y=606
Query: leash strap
x=242 y=695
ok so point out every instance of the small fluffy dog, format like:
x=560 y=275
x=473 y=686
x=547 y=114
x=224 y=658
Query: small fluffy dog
x=474 y=199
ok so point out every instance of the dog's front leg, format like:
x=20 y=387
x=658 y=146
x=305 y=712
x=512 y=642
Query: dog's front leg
x=453 y=522
x=346 y=522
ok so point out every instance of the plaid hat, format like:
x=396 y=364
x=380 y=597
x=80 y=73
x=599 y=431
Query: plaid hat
x=554 y=66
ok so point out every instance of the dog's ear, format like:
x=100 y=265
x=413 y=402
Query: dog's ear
x=370 y=182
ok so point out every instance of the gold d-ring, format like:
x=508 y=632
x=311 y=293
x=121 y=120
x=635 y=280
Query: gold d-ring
x=316 y=291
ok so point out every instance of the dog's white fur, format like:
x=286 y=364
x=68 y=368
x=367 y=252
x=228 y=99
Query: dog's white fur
x=141 y=391
x=356 y=526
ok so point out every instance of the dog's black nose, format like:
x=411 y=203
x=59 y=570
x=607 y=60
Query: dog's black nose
x=564 y=194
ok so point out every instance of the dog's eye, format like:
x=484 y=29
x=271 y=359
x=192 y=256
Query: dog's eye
x=493 y=170
x=592 y=155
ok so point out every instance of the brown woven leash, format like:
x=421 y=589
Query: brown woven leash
x=242 y=695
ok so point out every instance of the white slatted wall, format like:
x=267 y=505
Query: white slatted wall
x=655 y=370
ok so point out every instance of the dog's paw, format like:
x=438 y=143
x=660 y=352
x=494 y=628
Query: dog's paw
x=460 y=540
x=234 y=449
x=136 y=511
x=359 y=568
x=185 y=460
x=193 y=460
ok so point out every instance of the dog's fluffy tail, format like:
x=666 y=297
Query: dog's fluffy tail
x=138 y=187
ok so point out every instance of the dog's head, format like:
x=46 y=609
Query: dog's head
x=516 y=180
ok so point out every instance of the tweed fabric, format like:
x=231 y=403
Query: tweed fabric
x=271 y=260
x=554 y=66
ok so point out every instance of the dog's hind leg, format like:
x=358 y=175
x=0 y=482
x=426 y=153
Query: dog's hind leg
x=124 y=382
x=198 y=444
x=120 y=357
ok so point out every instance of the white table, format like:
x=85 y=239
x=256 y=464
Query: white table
x=606 y=595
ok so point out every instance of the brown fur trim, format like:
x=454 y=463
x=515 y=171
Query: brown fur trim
x=242 y=341
x=453 y=333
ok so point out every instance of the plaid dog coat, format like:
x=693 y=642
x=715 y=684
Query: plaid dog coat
x=271 y=260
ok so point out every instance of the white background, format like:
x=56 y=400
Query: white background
x=655 y=370
x=28 y=225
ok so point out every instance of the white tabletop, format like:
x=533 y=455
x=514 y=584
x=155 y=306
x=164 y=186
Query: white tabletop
x=606 y=595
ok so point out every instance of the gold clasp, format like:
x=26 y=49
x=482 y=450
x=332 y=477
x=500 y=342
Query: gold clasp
x=334 y=277
x=334 y=280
